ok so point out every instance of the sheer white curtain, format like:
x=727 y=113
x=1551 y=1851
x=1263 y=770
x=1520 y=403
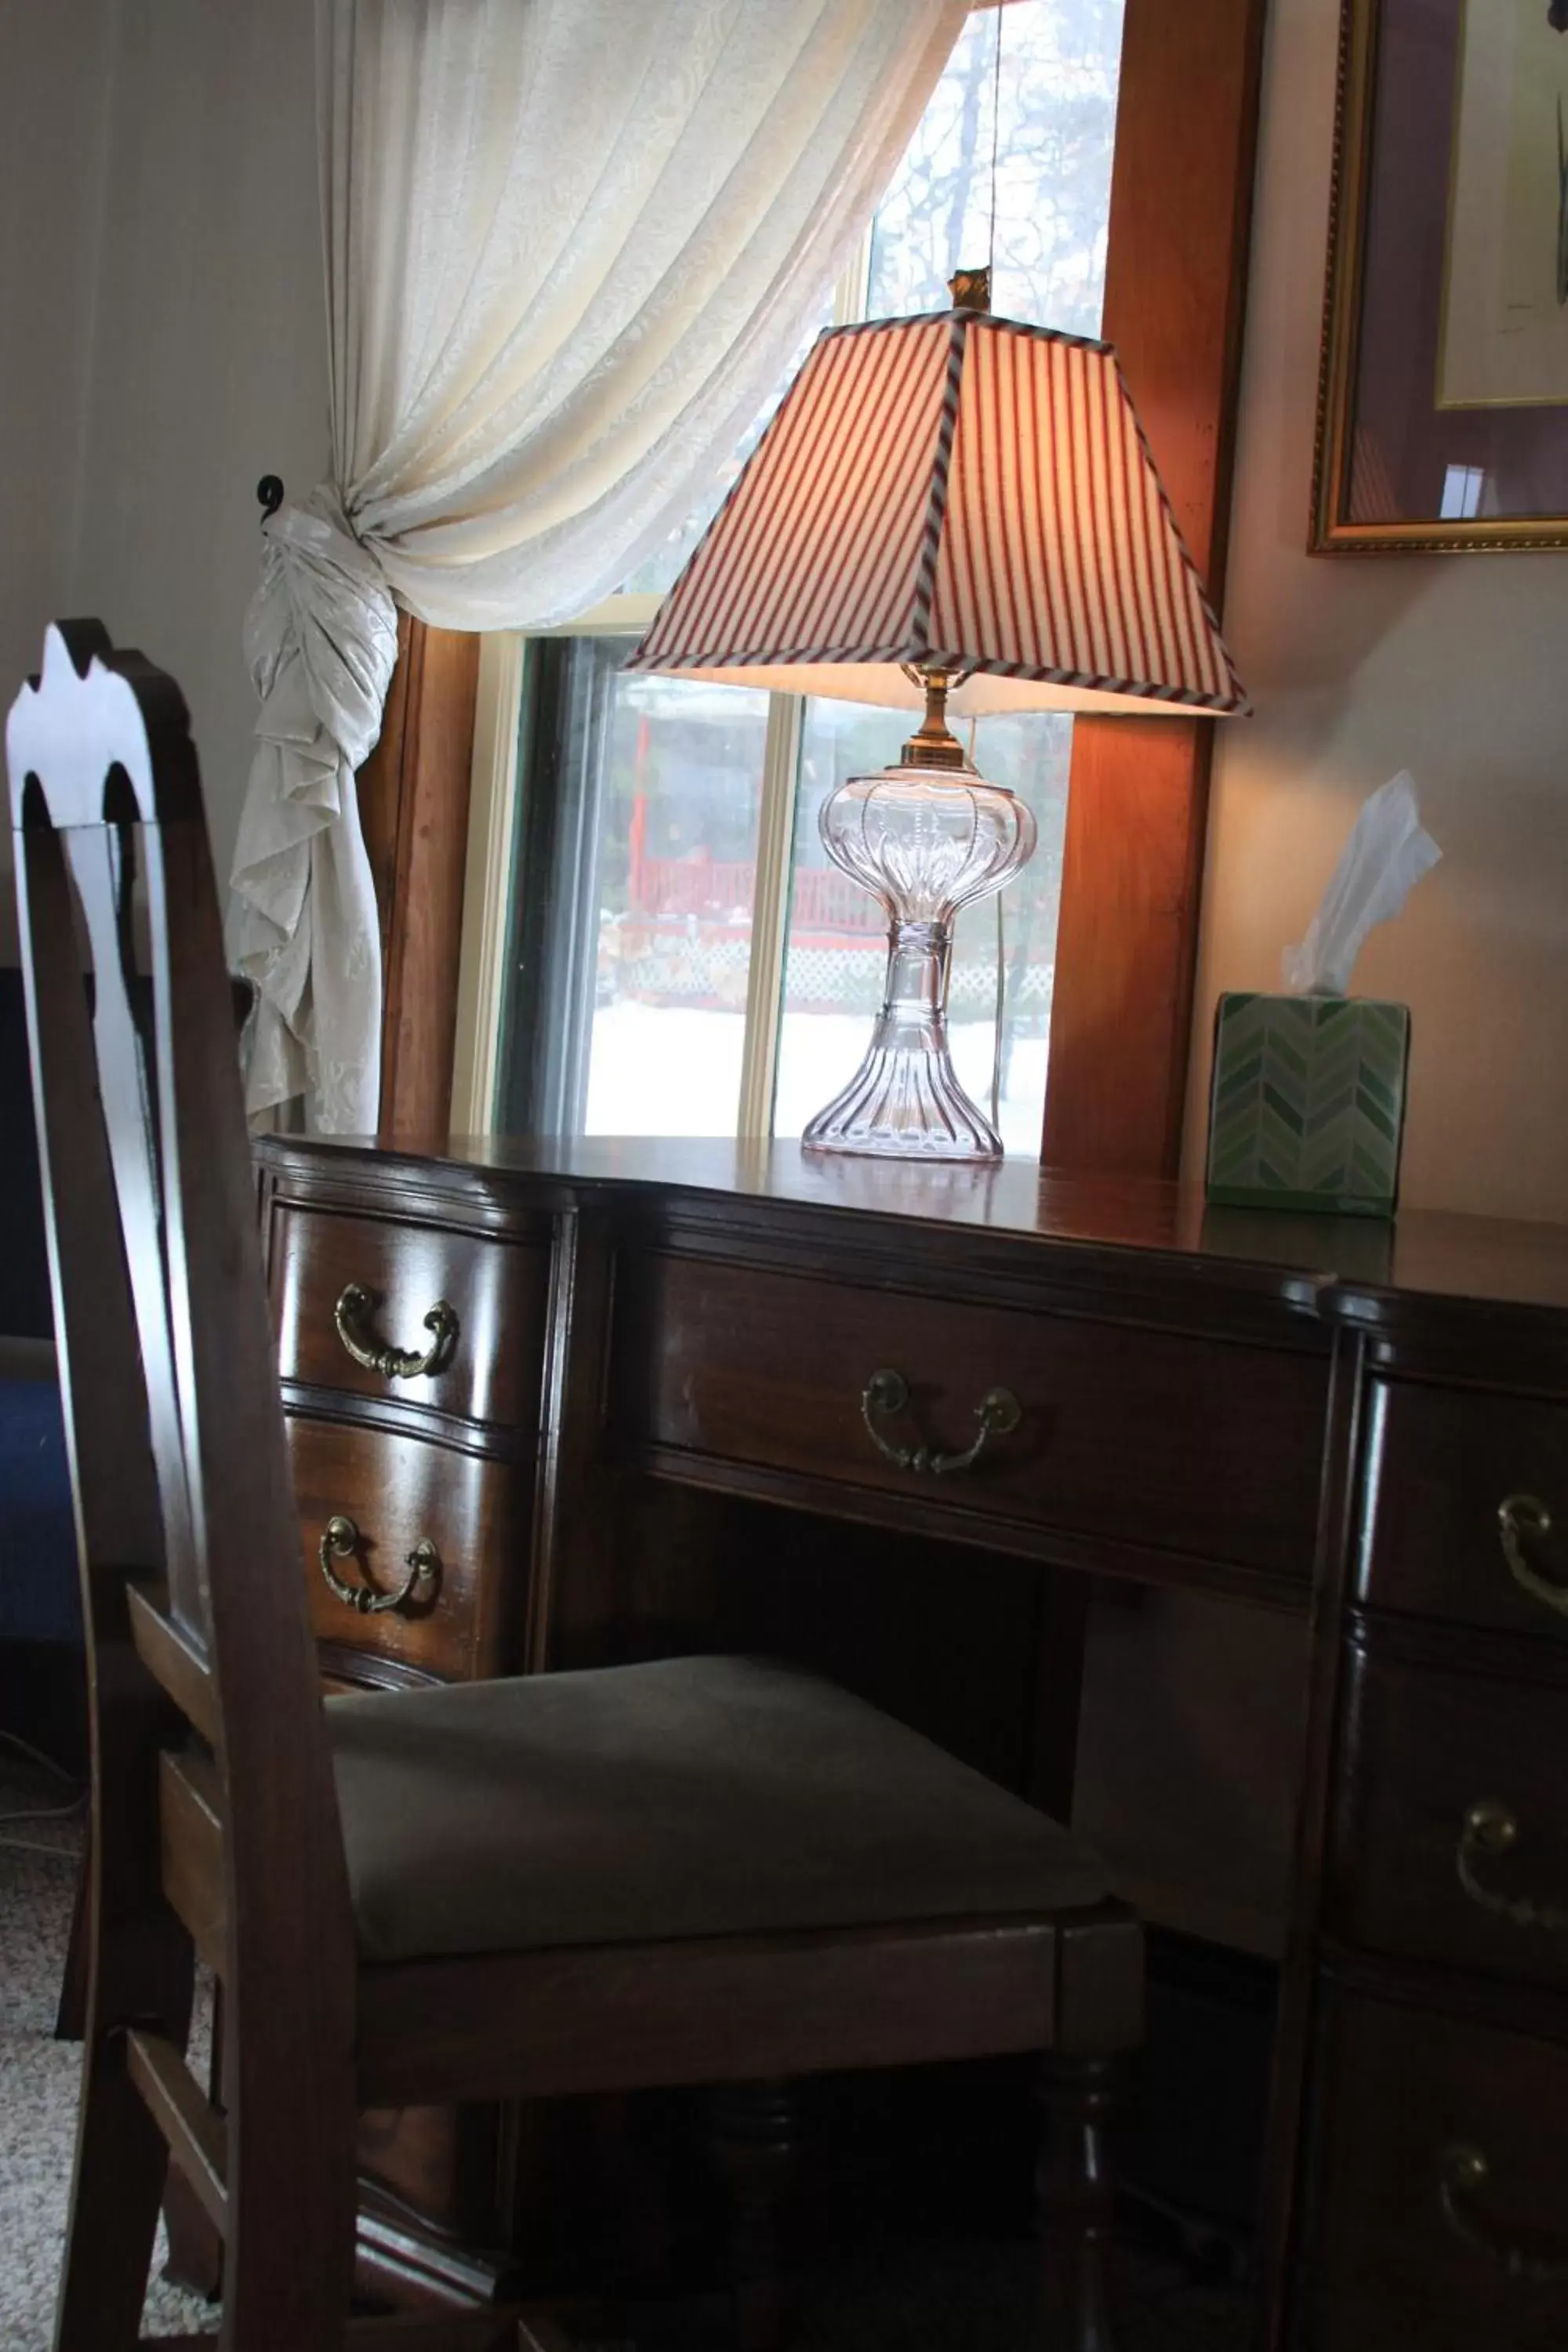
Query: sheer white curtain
x=570 y=247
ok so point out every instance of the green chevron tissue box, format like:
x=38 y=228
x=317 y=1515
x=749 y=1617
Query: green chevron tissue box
x=1307 y=1103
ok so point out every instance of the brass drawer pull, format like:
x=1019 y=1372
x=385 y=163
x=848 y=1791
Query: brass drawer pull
x=340 y=1539
x=351 y=1316
x=1524 y=1520
x=1462 y=2174
x=1490 y=1829
x=998 y=1412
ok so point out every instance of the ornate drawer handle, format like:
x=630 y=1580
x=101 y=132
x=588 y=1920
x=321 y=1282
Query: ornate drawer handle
x=998 y=1412
x=351 y=1315
x=340 y=1539
x=1490 y=1829
x=1462 y=2174
x=1523 y=1519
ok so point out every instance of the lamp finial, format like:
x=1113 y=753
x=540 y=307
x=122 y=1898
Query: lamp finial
x=971 y=288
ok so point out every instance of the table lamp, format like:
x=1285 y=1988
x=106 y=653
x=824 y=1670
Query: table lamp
x=951 y=509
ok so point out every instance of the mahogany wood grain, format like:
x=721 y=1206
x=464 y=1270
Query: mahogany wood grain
x=442 y=2165
x=1440 y=1462
x=379 y=787
x=1151 y=1247
x=1423 y=1744
x=1177 y=1685
x=401 y=1492
x=497 y=1290
x=1297 y=2068
x=628 y=2017
x=571 y=1608
x=1403 y=2084
x=191 y=1822
x=1181 y=201
x=172 y=1657
x=1076 y=2197
x=1203 y=1446
x=413 y=807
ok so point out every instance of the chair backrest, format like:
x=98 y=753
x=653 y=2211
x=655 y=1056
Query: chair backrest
x=189 y=1540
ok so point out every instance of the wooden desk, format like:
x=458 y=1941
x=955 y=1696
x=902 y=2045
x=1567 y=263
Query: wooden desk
x=1304 y=1428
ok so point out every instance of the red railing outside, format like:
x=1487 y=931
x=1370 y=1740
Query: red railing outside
x=824 y=899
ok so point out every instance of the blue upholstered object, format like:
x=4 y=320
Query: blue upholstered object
x=24 y=1264
x=39 y=1597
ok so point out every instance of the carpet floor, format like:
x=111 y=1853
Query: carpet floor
x=948 y=2297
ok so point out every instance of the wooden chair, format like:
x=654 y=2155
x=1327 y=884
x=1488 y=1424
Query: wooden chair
x=705 y=1871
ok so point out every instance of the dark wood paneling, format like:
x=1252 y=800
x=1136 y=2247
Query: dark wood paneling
x=414 y=807
x=1441 y=1462
x=1422 y=1746
x=1144 y=1438
x=1174 y=294
x=399 y=1491
x=497 y=1290
x=1176 y=1687
x=1390 y=2267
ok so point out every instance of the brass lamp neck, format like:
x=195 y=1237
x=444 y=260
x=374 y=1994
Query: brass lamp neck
x=934 y=745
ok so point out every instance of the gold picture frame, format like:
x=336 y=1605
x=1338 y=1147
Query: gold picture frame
x=1351 y=476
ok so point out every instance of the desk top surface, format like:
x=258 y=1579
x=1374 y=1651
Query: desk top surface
x=1420 y=1254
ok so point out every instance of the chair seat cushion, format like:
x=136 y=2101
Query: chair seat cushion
x=694 y=1796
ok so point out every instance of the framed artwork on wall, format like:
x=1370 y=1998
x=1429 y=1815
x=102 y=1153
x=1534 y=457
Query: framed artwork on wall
x=1443 y=406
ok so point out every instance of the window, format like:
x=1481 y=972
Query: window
x=681 y=958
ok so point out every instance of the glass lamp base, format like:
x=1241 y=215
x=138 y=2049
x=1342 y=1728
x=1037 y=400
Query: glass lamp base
x=904 y=1101
x=926 y=842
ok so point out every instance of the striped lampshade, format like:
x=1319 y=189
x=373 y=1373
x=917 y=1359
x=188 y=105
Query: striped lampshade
x=951 y=492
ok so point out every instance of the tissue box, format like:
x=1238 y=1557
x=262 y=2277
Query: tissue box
x=1307 y=1103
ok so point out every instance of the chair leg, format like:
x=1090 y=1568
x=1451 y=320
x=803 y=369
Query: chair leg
x=121 y=2161
x=289 y=2248
x=1076 y=2194
x=754 y=2132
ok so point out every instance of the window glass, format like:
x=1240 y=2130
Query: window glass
x=1054 y=140
x=676 y=869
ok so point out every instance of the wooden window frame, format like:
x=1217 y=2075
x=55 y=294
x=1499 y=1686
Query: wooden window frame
x=1137 y=812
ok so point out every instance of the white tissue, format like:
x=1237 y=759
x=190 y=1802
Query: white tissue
x=1386 y=856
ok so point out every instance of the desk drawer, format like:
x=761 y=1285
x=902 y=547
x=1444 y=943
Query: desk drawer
x=1413 y=1868
x=401 y=1492
x=1188 y=1445
x=486 y=1367
x=1441 y=1463
x=1406 y=2251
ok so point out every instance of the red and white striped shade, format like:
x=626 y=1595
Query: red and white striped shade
x=954 y=492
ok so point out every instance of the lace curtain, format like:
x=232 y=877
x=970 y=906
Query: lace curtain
x=570 y=247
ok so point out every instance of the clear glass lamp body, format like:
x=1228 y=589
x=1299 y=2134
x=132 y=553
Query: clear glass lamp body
x=926 y=842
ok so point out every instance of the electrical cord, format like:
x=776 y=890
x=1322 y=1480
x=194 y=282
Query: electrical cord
x=73 y=1810
x=36 y=1756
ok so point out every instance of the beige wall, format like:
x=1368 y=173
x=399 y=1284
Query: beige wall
x=56 y=74
x=160 y=251
x=1454 y=666
x=210 y=347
